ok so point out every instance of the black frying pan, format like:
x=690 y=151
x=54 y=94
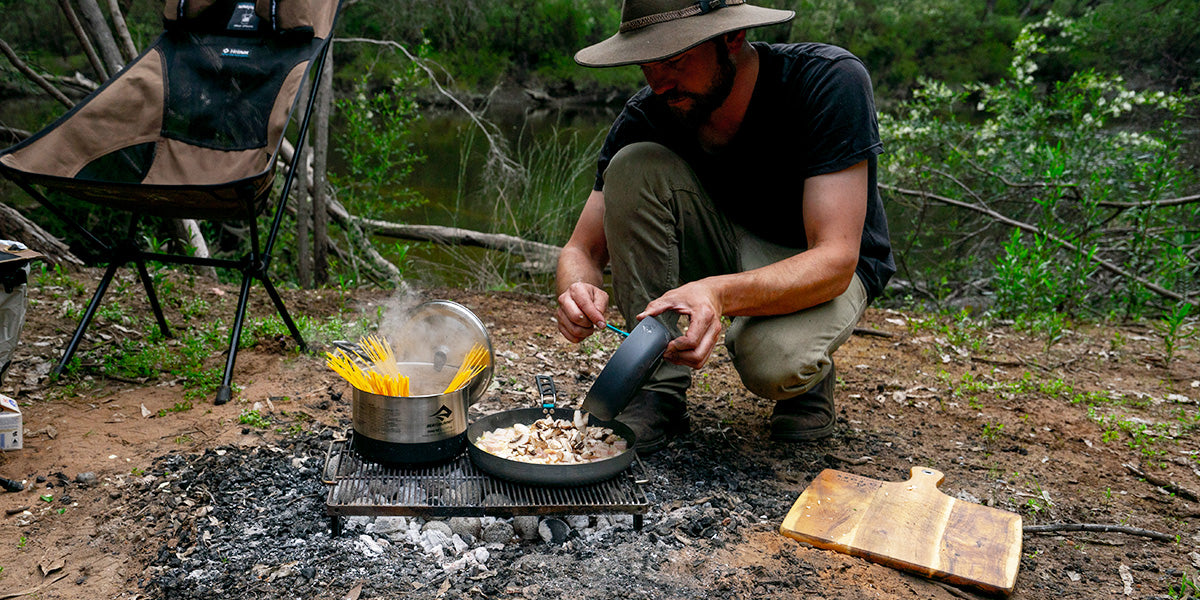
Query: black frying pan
x=546 y=475
x=630 y=366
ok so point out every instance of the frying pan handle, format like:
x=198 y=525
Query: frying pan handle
x=547 y=392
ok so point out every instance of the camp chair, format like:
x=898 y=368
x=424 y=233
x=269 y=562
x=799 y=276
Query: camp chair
x=190 y=129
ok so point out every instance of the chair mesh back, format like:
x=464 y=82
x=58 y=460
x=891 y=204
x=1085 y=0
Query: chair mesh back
x=188 y=129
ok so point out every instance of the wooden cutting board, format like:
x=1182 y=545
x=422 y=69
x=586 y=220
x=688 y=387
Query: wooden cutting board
x=909 y=525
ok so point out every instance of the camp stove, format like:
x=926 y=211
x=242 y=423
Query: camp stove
x=361 y=487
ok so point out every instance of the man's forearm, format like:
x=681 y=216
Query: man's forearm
x=575 y=266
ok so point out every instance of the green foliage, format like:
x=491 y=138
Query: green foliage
x=375 y=145
x=254 y=419
x=1058 y=158
x=1175 y=329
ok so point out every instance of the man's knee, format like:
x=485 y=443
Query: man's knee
x=638 y=159
x=776 y=368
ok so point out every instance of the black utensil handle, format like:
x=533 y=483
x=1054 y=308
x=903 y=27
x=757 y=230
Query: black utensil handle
x=547 y=392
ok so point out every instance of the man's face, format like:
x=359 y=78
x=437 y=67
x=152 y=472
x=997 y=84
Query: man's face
x=694 y=84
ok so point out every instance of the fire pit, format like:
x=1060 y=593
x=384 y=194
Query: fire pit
x=360 y=487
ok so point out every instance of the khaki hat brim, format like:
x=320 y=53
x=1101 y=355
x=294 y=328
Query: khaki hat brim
x=664 y=40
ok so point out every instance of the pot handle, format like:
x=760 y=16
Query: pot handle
x=547 y=392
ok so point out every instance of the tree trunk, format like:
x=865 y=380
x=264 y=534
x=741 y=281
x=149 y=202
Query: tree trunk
x=14 y=226
x=320 y=198
x=188 y=231
x=102 y=33
x=304 y=220
x=114 y=9
x=88 y=49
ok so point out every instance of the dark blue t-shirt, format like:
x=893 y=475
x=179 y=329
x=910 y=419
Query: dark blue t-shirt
x=812 y=113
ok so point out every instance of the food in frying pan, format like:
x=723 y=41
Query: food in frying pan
x=550 y=441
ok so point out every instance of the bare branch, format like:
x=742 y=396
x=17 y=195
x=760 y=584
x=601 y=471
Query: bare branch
x=1098 y=527
x=497 y=153
x=33 y=76
x=82 y=36
x=114 y=9
x=1153 y=203
x=1106 y=265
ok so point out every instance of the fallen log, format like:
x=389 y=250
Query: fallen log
x=539 y=257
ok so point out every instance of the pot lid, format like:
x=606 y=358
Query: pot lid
x=441 y=333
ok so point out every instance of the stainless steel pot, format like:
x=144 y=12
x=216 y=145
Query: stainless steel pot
x=430 y=425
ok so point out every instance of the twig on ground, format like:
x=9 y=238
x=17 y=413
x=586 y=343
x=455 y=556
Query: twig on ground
x=872 y=332
x=1164 y=484
x=1098 y=527
x=862 y=460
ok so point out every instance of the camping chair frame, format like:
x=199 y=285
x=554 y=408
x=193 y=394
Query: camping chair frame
x=253 y=266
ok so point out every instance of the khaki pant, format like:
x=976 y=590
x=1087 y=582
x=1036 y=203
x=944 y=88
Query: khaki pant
x=663 y=231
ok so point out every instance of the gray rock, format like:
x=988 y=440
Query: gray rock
x=440 y=527
x=387 y=525
x=87 y=478
x=526 y=527
x=466 y=527
x=499 y=532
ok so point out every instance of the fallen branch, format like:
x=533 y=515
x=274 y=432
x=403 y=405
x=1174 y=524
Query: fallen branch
x=540 y=258
x=14 y=226
x=1106 y=265
x=1098 y=527
x=32 y=75
x=1164 y=484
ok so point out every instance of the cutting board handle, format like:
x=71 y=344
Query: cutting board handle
x=925 y=478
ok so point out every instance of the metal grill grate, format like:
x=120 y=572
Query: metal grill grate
x=358 y=487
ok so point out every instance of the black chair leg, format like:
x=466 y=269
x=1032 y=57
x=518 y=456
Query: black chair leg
x=86 y=320
x=154 y=305
x=283 y=313
x=225 y=392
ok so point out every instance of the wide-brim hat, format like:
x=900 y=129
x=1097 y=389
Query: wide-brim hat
x=653 y=30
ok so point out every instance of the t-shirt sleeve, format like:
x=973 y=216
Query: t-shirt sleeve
x=841 y=107
x=632 y=125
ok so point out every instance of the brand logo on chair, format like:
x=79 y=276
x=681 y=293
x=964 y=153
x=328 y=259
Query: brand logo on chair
x=235 y=52
x=443 y=414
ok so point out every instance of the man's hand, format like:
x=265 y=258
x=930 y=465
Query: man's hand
x=701 y=304
x=580 y=308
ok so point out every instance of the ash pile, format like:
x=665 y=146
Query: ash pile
x=250 y=522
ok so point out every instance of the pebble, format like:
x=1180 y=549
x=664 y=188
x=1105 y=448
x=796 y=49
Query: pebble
x=86 y=478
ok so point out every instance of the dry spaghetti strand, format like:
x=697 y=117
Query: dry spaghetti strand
x=475 y=362
x=381 y=377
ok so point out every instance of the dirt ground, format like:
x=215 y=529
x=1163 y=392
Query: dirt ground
x=1053 y=434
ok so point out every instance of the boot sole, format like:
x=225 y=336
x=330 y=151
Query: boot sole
x=804 y=435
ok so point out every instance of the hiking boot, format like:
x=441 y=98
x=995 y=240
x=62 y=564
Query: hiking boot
x=806 y=417
x=655 y=418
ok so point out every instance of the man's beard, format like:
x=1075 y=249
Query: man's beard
x=703 y=103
